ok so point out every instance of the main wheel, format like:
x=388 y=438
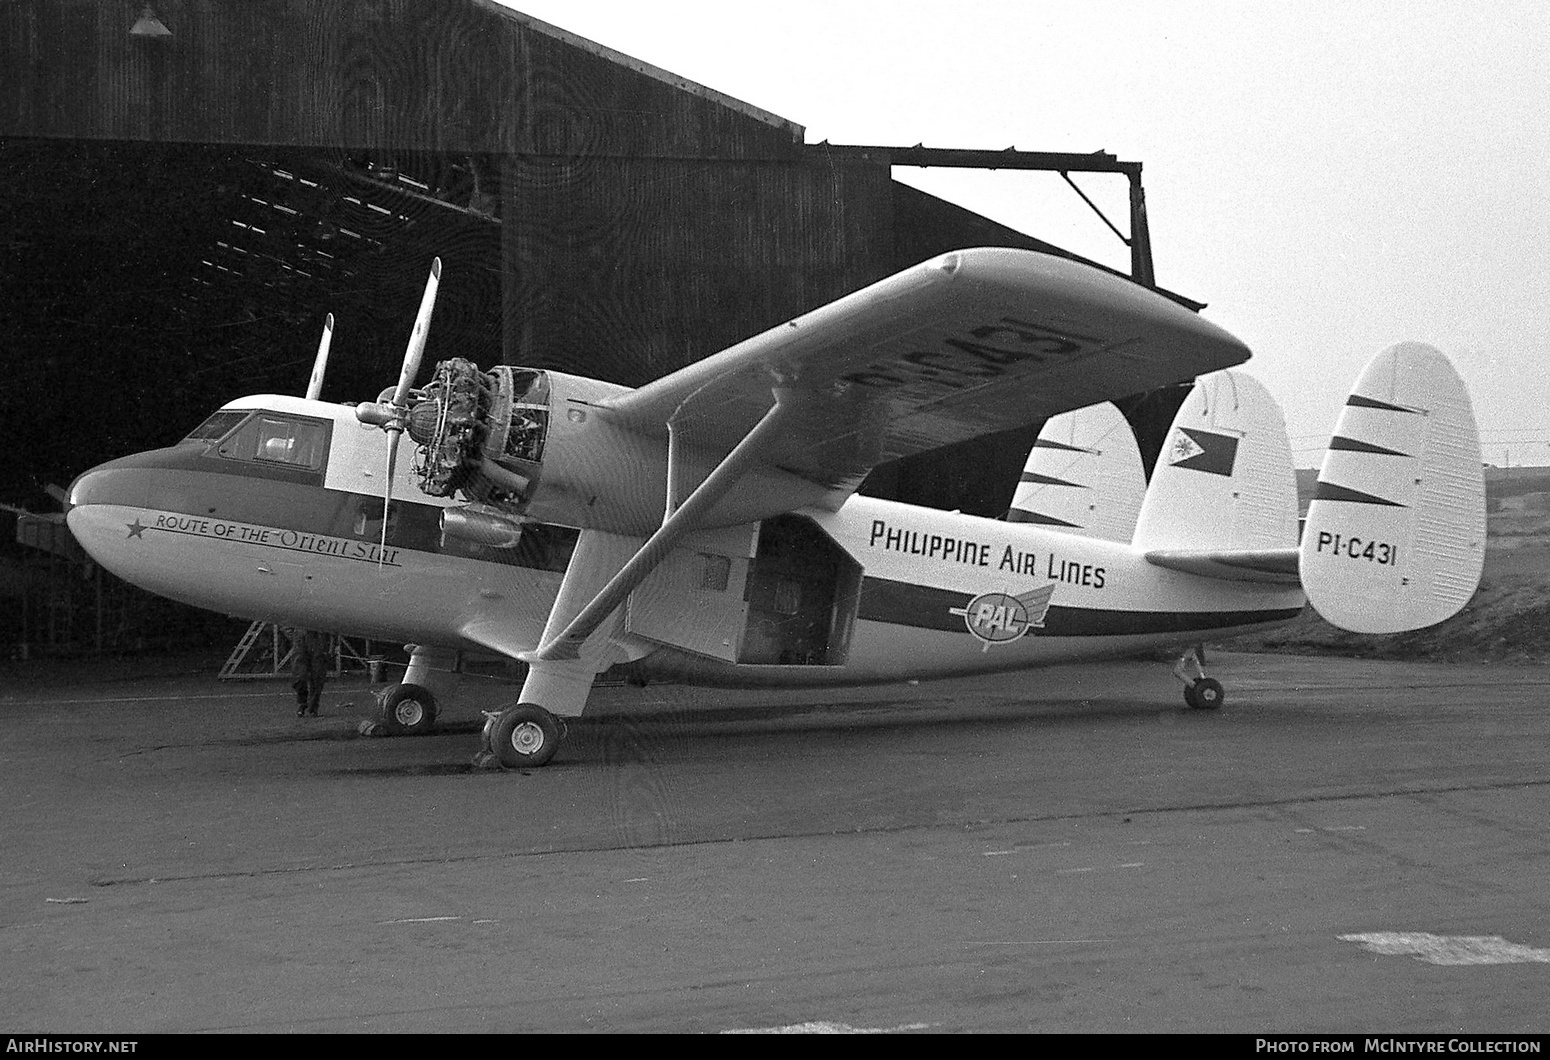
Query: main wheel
x=1189 y=697
x=408 y=710
x=1208 y=694
x=525 y=736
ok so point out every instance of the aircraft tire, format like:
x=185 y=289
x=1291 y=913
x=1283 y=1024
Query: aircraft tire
x=1208 y=694
x=525 y=736
x=408 y=710
x=1189 y=697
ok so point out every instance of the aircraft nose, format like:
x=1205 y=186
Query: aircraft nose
x=96 y=498
x=122 y=482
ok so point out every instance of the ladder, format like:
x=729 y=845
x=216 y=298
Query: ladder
x=278 y=660
x=273 y=660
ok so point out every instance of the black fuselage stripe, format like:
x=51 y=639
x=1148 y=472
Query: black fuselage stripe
x=923 y=607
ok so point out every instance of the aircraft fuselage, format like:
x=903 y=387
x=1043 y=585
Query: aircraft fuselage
x=875 y=590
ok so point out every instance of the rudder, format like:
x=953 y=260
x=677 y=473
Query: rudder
x=1395 y=534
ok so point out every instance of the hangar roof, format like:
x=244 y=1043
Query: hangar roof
x=446 y=76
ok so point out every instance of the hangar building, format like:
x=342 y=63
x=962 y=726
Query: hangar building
x=193 y=184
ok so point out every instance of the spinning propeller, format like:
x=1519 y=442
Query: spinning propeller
x=393 y=415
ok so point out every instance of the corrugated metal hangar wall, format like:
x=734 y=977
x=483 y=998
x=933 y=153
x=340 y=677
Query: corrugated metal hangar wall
x=193 y=184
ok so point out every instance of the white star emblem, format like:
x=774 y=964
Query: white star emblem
x=1184 y=447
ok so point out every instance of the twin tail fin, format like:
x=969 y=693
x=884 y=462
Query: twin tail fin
x=1083 y=476
x=1395 y=534
x=1394 y=537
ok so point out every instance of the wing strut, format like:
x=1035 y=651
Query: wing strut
x=567 y=643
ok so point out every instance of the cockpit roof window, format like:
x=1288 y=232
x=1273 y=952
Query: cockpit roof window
x=216 y=426
x=276 y=438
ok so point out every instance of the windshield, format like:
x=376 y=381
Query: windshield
x=217 y=425
x=277 y=438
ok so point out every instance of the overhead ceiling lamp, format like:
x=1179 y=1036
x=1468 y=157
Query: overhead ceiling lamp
x=149 y=26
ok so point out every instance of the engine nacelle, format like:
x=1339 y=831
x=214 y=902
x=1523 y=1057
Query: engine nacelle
x=518 y=442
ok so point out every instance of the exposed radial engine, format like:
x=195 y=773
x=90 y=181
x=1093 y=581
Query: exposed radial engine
x=481 y=433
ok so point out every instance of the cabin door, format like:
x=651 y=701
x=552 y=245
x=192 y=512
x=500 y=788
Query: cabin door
x=696 y=599
x=802 y=595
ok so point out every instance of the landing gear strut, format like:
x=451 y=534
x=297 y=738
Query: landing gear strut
x=1200 y=692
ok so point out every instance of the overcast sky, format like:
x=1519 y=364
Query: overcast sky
x=1331 y=177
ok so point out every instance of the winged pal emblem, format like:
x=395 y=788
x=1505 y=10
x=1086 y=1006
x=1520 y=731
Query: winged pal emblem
x=996 y=618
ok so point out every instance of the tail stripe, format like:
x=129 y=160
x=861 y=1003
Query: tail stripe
x=1354 y=445
x=1361 y=402
x=1022 y=515
x=1045 y=443
x=1328 y=491
x=1048 y=480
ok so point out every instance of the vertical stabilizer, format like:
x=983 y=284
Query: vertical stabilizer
x=1395 y=533
x=1083 y=476
x=1224 y=478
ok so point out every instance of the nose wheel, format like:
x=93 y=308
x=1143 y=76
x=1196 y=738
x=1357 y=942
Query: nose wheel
x=521 y=737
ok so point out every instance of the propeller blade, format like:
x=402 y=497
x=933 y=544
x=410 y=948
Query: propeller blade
x=387 y=491
x=422 y=327
x=320 y=364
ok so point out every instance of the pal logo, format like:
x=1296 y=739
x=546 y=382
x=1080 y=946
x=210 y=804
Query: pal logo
x=996 y=618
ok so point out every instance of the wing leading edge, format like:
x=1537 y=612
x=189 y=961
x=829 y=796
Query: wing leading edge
x=971 y=342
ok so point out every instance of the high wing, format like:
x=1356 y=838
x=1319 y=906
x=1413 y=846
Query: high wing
x=968 y=343
x=971 y=342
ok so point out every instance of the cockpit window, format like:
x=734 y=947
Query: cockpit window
x=217 y=425
x=275 y=439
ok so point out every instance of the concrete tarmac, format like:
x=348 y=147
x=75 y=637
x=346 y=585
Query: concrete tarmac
x=1347 y=846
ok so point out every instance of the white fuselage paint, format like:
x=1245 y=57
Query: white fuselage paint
x=348 y=585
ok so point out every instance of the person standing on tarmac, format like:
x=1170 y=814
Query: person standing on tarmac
x=309 y=669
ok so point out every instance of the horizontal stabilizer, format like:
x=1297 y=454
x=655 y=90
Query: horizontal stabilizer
x=1395 y=533
x=1276 y=565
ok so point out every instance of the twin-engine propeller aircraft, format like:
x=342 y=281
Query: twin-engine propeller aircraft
x=707 y=526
